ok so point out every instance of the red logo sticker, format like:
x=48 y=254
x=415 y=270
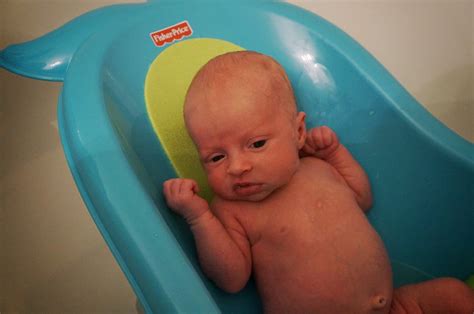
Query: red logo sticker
x=172 y=33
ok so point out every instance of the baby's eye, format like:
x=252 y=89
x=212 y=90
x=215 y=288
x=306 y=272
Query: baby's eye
x=216 y=158
x=258 y=144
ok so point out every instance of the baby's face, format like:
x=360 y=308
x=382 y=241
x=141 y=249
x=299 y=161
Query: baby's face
x=247 y=146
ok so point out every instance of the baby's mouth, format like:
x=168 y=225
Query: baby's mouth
x=247 y=188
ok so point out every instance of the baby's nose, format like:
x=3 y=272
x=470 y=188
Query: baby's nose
x=238 y=166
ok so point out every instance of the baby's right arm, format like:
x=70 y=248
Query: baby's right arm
x=224 y=256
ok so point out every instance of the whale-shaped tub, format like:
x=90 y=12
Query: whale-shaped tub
x=122 y=135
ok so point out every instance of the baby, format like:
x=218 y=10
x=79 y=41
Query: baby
x=289 y=203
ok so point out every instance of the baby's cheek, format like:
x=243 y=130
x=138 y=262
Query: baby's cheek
x=216 y=182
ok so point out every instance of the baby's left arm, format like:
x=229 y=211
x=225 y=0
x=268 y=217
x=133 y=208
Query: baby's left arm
x=322 y=142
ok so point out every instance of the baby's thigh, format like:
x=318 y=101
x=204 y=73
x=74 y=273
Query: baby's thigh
x=443 y=295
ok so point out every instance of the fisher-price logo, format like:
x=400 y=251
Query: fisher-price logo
x=172 y=33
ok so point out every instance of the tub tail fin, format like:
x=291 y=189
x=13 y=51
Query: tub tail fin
x=47 y=57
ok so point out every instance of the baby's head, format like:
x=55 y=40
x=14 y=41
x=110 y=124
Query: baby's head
x=240 y=112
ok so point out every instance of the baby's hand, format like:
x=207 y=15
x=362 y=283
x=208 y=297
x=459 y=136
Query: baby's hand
x=321 y=142
x=181 y=196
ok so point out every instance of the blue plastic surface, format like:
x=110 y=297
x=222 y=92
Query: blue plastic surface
x=422 y=173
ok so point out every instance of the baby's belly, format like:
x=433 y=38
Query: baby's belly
x=339 y=267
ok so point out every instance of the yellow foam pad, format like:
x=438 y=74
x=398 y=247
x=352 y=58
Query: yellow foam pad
x=166 y=84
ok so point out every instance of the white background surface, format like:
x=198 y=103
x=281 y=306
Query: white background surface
x=52 y=258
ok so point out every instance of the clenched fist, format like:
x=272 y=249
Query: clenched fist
x=321 y=142
x=181 y=196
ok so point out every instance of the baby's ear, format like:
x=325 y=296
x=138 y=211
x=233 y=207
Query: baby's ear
x=301 y=128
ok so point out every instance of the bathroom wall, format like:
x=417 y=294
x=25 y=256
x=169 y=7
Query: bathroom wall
x=428 y=45
x=52 y=258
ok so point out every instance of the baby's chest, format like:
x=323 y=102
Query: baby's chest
x=303 y=216
x=287 y=223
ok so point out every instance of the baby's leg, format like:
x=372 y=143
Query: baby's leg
x=443 y=296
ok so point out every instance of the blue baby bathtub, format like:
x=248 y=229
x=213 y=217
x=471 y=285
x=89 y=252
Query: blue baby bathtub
x=422 y=173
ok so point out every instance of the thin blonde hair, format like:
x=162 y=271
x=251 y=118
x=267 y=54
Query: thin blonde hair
x=227 y=67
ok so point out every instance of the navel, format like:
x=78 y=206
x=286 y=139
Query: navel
x=379 y=302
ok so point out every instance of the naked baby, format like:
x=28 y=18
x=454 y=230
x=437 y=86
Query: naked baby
x=289 y=203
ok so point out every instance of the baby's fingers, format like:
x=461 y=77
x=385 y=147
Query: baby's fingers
x=188 y=186
x=167 y=187
x=181 y=197
x=321 y=137
x=327 y=136
x=179 y=187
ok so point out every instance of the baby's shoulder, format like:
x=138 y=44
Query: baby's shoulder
x=313 y=164
x=317 y=168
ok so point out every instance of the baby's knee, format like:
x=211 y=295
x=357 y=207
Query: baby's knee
x=453 y=283
x=453 y=294
x=457 y=287
x=442 y=295
x=460 y=294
